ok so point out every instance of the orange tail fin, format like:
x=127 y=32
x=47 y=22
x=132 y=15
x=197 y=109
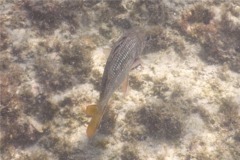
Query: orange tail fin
x=92 y=110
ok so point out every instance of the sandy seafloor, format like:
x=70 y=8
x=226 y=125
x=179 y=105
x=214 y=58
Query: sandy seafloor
x=184 y=103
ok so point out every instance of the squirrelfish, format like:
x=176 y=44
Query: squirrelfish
x=123 y=57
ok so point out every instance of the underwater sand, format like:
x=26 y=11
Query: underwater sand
x=184 y=103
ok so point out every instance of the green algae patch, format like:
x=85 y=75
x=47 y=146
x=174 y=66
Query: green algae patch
x=158 y=121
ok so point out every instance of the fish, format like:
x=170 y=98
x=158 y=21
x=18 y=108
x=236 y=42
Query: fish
x=124 y=56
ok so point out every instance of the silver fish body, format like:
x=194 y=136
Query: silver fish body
x=120 y=61
x=122 y=58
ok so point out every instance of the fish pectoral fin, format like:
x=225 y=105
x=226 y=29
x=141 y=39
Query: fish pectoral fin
x=136 y=64
x=91 y=110
x=93 y=125
x=107 y=51
x=125 y=86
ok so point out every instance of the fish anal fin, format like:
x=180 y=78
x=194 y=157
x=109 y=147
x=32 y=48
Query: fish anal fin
x=91 y=110
x=125 y=86
x=93 y=125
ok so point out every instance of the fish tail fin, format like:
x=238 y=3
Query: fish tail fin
x=92 y=111
x=93 y=125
